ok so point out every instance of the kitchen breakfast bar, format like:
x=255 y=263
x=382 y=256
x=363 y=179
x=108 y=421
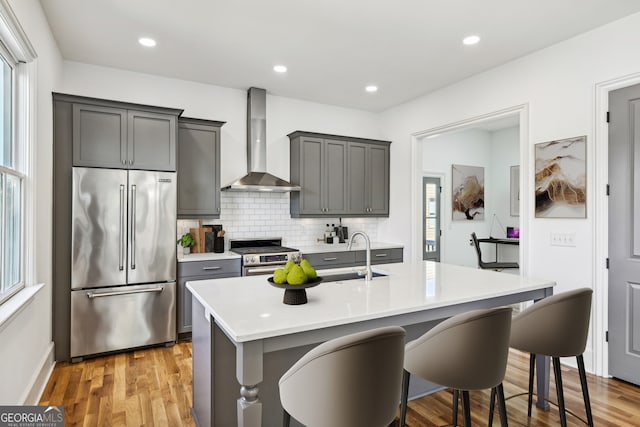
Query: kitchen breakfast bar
x=244 y=337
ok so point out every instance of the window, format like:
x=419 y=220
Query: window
x=15 y=121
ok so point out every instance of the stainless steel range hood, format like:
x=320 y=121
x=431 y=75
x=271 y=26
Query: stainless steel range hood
x=257 y=178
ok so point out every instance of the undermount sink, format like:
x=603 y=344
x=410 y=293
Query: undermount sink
x=351 y=275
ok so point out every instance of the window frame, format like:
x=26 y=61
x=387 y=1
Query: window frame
x=19 y=54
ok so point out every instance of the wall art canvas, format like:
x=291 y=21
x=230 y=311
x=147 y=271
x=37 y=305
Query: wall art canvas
x=561 y=181
x=514 y=193
x=468 y=192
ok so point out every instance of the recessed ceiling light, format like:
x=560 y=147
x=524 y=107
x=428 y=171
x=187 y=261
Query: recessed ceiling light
x=371 y=88
x=280 y=69
x=147 y=42
x=471 y=40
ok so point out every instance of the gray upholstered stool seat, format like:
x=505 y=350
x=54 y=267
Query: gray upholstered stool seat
x=557 y=326
x=350 y=381
x=466 y=352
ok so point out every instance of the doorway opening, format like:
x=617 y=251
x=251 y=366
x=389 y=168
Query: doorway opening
x=496 y=144
x=431 y=190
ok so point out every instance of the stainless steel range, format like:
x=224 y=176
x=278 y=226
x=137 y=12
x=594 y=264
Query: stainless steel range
x=263 y=256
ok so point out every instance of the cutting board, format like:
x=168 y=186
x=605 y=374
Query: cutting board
x=199 y=236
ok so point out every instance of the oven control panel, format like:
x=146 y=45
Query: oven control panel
x=271 y=259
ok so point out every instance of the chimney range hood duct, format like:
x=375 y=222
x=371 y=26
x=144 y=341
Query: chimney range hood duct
x=257 y=178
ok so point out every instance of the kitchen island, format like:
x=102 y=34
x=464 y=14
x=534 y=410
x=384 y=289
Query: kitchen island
x=245 y=338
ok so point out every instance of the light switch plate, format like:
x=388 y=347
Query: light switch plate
x=563 y=239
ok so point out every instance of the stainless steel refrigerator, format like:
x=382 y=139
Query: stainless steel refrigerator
x=123 y=259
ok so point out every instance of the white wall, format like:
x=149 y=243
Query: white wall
x=558 y=85
x=26 y=350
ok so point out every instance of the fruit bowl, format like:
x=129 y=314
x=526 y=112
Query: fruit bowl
x=295 y=294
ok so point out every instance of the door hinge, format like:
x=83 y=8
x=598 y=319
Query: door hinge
x=606 y=336
x=608 y=189
x=440 y=188
x=607 y=263
x=440 y=232
x=608 y=117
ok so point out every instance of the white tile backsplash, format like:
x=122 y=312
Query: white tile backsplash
x=260 y=215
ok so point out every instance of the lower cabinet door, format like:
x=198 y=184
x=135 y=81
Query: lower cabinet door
x=118 y=318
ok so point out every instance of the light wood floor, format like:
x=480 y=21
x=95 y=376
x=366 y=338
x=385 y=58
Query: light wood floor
x=153 y=388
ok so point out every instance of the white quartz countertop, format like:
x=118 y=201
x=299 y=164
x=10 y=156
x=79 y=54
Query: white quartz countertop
x=358 y=245
x=249 y=308
x=208 y=256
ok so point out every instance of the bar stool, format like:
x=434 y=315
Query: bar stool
x=465 y=352
x=350 y=381
x=557 y=326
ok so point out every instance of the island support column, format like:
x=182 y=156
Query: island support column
x=542 y=370
x=249 y=374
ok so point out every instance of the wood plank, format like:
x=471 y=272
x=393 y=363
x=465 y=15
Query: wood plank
x=152 y=387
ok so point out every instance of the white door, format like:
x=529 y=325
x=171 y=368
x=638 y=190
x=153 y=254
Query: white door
x=624 y=234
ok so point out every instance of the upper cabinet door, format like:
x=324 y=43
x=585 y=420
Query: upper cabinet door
x=198 y=169
x=99 y=136
x=335 y=177
x=357 y=182
x=311 y=176
x=152 y=141
x=378 y=180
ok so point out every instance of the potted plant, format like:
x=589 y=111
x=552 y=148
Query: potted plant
x=186 y=241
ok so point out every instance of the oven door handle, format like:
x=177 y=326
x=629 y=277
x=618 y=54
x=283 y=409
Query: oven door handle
x=254 y=271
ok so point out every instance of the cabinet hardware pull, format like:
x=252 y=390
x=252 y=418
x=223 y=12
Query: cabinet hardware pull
x=211 y=268
x=330 y=259
x=92 y=295
x=381 y=255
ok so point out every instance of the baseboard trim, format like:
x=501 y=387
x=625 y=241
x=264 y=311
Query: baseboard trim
x=40 y=378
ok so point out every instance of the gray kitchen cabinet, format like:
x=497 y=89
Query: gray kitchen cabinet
x=319 y=166
x=339 y=176
x=323 y=260
x=199 y=270
x=339 y=259
x=368 y=179
x=380 y=256
x=198 y=168
x=120 y=135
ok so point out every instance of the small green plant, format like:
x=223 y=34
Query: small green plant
x=186 y=241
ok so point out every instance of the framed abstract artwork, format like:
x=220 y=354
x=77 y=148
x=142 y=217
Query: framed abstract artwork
x=467 y=192
x=561 y=178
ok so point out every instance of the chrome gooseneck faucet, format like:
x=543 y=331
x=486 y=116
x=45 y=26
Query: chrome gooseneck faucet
x=368 y=273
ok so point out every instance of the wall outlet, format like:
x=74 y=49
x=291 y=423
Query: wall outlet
x=563 y=239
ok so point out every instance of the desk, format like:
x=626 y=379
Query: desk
x=499 y=241
x=245 y=338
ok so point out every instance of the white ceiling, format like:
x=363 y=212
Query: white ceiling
x=333 y=48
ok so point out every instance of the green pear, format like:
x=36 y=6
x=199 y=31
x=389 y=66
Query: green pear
x=296 y=276
x=309 y=270
x=280 y=276
x=288 y=265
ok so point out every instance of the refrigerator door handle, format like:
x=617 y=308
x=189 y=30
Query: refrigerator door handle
x=123 y=231
x=133 y=227
x=92 y=295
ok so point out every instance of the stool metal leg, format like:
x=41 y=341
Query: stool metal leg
x=560 y=393
x=466 y=408
x=286 y=418
x=492 y=406
x=456 y=397
x=585 y=390
x=502 y=405
x=532 y=368
x=405 y=396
